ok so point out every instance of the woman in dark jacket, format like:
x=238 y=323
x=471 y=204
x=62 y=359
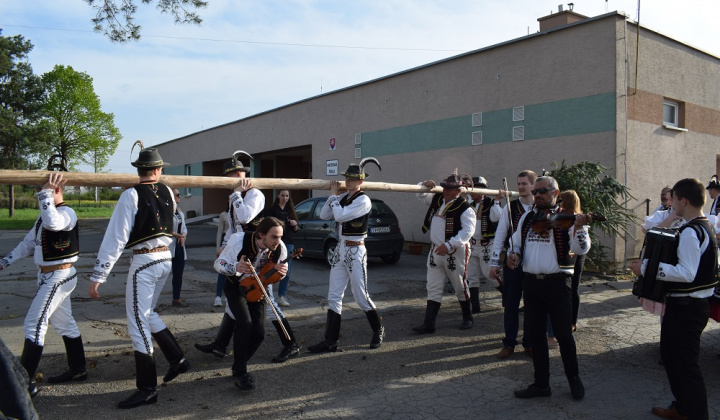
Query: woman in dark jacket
x=284 y=210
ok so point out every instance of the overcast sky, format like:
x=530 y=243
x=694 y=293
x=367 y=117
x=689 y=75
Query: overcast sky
x=250 y=56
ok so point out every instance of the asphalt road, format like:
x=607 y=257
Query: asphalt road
x=451 y=374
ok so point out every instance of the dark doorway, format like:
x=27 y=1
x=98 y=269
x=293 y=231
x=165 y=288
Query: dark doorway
x=295 y=162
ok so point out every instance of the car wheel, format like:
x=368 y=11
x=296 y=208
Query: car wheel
x=330 y=250
x=391 y=259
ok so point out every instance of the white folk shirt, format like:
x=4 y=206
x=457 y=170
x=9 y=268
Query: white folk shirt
x=540 y=255
x=500 y=215
x=689 y=254
x=243 y=209
x=658 y=217
x=437 y=225
x=178 y=220
x=53 y=218
x=332 y=210
x=477 y=234
x=118 y=234
x=227 y=261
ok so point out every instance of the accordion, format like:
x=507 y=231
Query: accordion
x=660 y=247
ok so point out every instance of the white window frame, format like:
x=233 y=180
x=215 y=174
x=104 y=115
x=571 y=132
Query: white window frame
x=519 y=113
x=476 y=139
x=676 y=108
x=518 y=133
x=187 y=170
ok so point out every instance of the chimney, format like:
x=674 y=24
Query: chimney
x=561 y=18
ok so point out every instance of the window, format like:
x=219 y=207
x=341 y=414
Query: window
x=320 y=204
x=518 y=133
x=477 y=119
x=670 y=113
x=476 y=138
x=188 y=172
x=519 y=113
x=674 y=115
x=303 y=210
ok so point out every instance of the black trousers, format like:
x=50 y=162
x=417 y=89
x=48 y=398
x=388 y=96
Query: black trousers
x=682 y=325
x=249 y=325
x=543 y=298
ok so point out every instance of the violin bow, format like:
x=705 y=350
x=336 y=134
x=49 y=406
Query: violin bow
x=509 y=212
x=265 y=293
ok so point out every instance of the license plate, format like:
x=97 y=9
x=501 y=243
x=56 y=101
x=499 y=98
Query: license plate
x=384 y=229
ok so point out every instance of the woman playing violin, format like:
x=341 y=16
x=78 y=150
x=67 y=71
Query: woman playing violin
x=256 y=248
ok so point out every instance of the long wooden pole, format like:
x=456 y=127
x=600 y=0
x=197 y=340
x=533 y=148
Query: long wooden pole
x=89 y=179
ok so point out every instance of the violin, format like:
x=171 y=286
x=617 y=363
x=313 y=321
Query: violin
x=558 y=219
x=268 y=275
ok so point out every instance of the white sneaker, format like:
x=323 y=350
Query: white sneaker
x=218 y=301
x=282 y=301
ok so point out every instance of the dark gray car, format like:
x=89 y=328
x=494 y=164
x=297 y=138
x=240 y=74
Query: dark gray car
x=318 y=237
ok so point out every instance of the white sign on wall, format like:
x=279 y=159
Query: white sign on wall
x=332 y=167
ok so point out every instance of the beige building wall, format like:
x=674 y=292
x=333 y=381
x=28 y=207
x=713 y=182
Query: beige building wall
x=540 y=71
x=658 y=156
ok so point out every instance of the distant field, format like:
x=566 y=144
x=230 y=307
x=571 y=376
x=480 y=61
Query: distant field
x=85 y=209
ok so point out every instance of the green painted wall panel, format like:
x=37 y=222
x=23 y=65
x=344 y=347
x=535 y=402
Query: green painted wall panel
x=571 y=117
x=195 y=170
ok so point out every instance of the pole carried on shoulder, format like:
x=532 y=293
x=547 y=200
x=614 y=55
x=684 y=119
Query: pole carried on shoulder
x=85 y=179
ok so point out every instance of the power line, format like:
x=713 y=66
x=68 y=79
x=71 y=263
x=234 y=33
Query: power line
x=286 y=44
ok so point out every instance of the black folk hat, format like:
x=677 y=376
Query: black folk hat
x=148 y=158
x=455 y=180
x=235 y=165
x=713 y=184
x=357 y=170
x=57 y=166
x=479 y=181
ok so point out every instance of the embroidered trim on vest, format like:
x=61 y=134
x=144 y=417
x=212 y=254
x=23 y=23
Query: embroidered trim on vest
x=707 y=273
x=359 y=225
x=565 y=258
x=154 y=218
x=58 y=245
x=452 y=213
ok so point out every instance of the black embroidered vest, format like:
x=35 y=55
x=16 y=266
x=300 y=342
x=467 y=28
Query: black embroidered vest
x=358 y=226
x=707 y=273
x=453 y=212
x=487 y=227
x=154 y=217
x=516 y=211
x=565 y=258
x=58 y=245
x=715 y=210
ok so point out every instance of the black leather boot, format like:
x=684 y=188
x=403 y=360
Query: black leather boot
x=76 y=361
x=224 y=335
x=378 y=330
x=466 y=314
x=30 y=360
x=146 y=381
x=332 y=334
x=431 y=311
x=291 y=348
x=475 y=299
x=173 y=353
